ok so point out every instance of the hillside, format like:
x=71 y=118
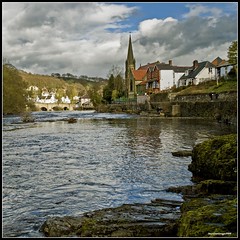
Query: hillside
x=80 y=86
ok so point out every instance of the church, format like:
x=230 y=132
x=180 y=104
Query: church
x=151 y=78
x=130 y=65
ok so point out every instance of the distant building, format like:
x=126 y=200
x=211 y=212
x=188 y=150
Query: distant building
x=32 y=88
x=46 y=99
x=65 y=99
x=222 y=66
x=163 y=76
x=200 y=72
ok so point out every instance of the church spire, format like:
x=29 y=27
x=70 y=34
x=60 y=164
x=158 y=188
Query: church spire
x=130 y=57
x=129 y=66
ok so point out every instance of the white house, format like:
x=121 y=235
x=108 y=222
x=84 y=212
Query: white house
x=169 y=78
x=200 y=72
x=48 y=99
x=32 y=88
x=85 y=101
x=163 y=76
x=223 y=67
x=65 y=99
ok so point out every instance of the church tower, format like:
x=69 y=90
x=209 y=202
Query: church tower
x=129 y=65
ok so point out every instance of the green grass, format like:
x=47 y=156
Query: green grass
x=208 y=87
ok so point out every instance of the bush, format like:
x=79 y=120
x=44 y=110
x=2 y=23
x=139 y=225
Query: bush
x=27 y=117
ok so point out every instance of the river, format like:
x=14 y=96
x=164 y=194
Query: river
x=53 y=168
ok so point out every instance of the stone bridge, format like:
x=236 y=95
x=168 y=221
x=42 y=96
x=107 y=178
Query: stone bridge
x=54 y=106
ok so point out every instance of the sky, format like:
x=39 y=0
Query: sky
x=90 y=38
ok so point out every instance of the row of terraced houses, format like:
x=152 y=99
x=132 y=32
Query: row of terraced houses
x=159 y=76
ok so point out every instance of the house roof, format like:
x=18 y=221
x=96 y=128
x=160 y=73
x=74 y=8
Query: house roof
x=224 y=63
x=194 y=72
x=142 y=83
x=164 y=66
x=85 y=96
x=148 y=65
x=217 y=61
x=139 y=74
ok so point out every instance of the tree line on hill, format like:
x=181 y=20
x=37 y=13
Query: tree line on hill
x=81 y=77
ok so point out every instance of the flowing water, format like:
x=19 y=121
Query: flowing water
x=53 y=168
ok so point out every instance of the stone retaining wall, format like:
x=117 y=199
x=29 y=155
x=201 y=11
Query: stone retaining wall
x=222 y=108
x=228 y=96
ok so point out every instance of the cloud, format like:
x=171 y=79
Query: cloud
x=197 y=10
x=194 y=37
x=88 y=38
x=49 y=37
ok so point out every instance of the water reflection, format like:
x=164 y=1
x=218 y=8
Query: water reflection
x=52 y=168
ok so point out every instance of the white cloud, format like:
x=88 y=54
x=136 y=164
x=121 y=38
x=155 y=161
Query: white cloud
x=88 y=38
x=197 y=10
x=151 y=26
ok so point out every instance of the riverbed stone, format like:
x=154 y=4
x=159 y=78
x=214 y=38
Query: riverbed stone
x=61 y=226
x=182 y=153
x=155 y=219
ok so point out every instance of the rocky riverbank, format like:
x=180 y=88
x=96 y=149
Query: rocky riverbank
x=209 y=208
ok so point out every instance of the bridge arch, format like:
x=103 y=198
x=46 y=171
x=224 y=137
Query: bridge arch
x=54 y=106
x=43 y=109
x=57 y=108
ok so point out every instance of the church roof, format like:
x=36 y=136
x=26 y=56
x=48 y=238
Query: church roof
x=130 y=57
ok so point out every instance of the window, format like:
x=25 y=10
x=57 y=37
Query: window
x=209 y=70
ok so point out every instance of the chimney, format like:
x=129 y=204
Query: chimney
x=170 y=62
x=195 y=64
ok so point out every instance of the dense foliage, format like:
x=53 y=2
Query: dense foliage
x=14 y=91
x=114 y=88
x=232 y=53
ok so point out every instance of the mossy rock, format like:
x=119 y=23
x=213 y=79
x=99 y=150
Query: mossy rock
x=212 y=186
x=156 y=219
x=182 y=153
x=215 y=158
x=206 y=217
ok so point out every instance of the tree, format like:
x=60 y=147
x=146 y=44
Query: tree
x=232 y=53
x=114 y=88
x=119 y=85
x=95 y=97
x=107 y=94
x=107 y=91
x=14 y=91
x=115 y=70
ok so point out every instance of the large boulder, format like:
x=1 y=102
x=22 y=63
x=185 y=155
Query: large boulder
x=155 y=219
x=215 y=158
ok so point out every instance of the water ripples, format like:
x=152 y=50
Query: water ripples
x=52 y=168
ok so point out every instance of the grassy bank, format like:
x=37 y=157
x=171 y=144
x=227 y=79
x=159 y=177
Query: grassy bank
x=208 y=87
